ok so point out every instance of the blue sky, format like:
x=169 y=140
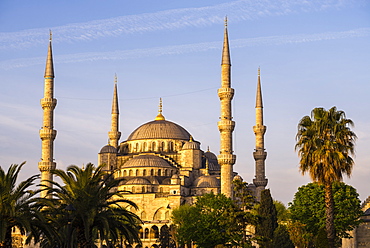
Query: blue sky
x=311 y=54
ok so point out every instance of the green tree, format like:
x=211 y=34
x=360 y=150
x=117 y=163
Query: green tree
x=281 y=211
x=213 y=220
x=89 y=207
x=308 y=207
x=325 y=144
x=268 y=223
x=17 y=204
x=281 y=238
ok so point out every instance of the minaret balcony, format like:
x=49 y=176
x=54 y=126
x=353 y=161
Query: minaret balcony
x=47 y=166
x=48 y=103
x=260 y=182
x=47 y=134
x=259 y=129
x=114 y=135
x=259 y=155
x=225 y=93
x=226 y=125
x=226 y=159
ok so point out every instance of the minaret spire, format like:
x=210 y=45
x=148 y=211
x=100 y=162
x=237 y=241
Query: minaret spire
x=114 y=134
x=226 y=125
x=259 y=154
x=47 y=133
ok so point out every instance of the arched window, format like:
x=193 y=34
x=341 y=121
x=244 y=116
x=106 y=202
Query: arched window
x=124 y=173
x=133 y=189
x=137 y=147
x=161 y=189
x=136 y=172
x=130 y=173
x=144 y=172
x=153 y=147
x=154 y=232
x=146 y=233
x=159 y=172
x=170 y=146
x=143 y=215
x=152 y=172
x=166 y=172
x=143 y=189
x=141 y=233
x=144 y=147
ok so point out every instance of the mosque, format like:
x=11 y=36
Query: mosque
x=161 y=163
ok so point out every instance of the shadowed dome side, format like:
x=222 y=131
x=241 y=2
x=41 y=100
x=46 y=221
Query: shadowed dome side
x=108 y=149
x=210 y=155
x=207 y=182
x=146 y=161
x=159 y=129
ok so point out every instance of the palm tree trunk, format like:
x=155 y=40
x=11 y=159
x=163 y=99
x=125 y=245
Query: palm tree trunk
x=329 y=211
x=7 y=243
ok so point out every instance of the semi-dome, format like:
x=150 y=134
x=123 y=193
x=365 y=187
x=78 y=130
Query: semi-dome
x=146 y=161
x=159 y=129
x=138 y=181
x=207 y=182
x=191 y=145
x=108 y=149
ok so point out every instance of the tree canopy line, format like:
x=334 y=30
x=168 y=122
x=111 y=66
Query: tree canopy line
x=87 y=208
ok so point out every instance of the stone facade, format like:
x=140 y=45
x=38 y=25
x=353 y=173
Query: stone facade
x=361 y=234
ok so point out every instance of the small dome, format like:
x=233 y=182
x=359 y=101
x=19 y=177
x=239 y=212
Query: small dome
x=146 y=161
x=159 y=129
x=207 y=182
x=138 y=181
x=251 y=185
x=237 y=177
x=191 y=145
x=108 y=149
x=210 y=155
x=175 y=176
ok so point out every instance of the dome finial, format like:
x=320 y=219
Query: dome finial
x=160 y=117
x=191 y=139
x=207 y=167
x=207 y=148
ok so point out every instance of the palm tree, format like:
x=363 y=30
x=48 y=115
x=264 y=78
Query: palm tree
x=325 y=145
x=17 y=205
x=88 y=208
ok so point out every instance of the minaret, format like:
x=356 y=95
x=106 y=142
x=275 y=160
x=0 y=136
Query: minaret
x=226 y=125
x=259 y=154
x=47 y=133
x=114 y=134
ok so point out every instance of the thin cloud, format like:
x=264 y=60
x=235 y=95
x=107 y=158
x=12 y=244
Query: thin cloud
x=188 y=48
x=174 y=19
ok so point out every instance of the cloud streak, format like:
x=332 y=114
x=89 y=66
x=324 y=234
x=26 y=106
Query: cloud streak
x=187 y=48
x=174 y=19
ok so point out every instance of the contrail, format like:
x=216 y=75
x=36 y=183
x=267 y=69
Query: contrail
x=173 y=19
x=188 y=48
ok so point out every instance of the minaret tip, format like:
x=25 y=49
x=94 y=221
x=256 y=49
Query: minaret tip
x=259 y=103
x=50 y=35
x=160 y=117
x=225 y=21
x=115 y=78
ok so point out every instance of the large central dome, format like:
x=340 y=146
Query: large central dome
x=159 y=129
